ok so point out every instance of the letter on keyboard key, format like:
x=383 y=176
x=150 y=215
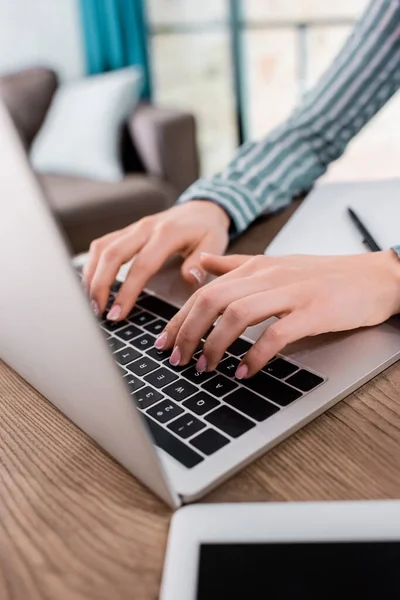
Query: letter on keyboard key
x=186 y=426
x=127 y=355
x=229 y=421
x=129 y=333
x=142 y=366
x=280 y=368
x=179 y=390
x=219 y=386
x=146 y=397
x=201 y=403
x=165 y=411
x=144 y=342
x=161 y=377
x=174 y=447
x=133 y=383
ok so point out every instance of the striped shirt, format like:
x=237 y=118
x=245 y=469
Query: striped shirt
x=265 y=176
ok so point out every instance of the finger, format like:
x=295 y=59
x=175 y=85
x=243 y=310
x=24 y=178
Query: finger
x=295 y=326
x=192 y=269
x=149 y=260
x=211 y=302
x=218 y=265
x=95 y=250
x=111 y=259
x=239 y=315
x=167 y=338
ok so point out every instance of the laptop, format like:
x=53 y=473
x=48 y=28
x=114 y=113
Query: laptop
x=179 y=432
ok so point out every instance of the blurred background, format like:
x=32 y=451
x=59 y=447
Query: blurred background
x=238 y=66
x=213 y=57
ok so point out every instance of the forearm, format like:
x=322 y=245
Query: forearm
x=266 y=175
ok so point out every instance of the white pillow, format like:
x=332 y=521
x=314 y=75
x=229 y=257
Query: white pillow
x=81 y=133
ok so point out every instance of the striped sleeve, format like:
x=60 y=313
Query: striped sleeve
x=266 y=175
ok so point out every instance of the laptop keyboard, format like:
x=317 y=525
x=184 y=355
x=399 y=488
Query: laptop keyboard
x=192 y=415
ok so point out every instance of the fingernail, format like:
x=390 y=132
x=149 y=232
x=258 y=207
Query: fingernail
x=201 y=365
x=161 y=340
x=175 y=357
x=241 y=372
x=197 y=274
x=114 y=313
x=95 y=307
x=204 y=254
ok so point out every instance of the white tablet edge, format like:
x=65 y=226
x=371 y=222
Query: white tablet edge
x=268 y=522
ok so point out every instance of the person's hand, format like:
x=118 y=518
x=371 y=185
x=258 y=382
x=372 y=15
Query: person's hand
x=309 y=294
x=189 y=229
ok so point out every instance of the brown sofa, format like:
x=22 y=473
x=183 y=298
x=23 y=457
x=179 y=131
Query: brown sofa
x=158 y=150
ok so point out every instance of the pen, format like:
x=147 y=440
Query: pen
x=368 y=240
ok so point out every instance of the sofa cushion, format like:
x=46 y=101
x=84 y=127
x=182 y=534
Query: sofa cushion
x=88 y=209
x=27 y=95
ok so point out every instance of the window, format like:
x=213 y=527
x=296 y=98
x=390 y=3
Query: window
x=212 y=56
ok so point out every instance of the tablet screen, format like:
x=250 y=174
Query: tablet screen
x=297 y=571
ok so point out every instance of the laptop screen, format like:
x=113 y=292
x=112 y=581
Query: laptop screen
x=297 y=571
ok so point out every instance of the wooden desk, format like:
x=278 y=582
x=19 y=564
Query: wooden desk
x=75 y=525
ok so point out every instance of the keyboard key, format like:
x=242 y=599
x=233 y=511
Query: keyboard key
x=144 y=342
x=172 y=446
x=146 y=397
x=126 y=356
x=209 y=441
x=114 y=344
x=116 y=286
x=280 y=368
x=161 y=377
x=142 y=366
x=113 y=325
x=229 y=421
x=121 y=368
x=248 y=403
x=165 y=411
x=219 y=386
x=133 y=383
x=239 y=347
x=179 y=390
x=228 y=366
x=304 y=380
x=158 y=355
x=195 y=377
x=180 y=369
x=142 y=318
x=135 y=311
x=201 y=403
x=156 y=327
x=186 y=426
x=129 y=333
x=272 y=389
x=158 y=307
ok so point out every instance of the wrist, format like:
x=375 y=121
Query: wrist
x=217 y=212
x=391 y=261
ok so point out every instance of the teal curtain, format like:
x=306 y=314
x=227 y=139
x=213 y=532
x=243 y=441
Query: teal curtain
x=115 y=36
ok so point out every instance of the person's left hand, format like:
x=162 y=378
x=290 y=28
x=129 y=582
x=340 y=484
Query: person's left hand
x=309 y=294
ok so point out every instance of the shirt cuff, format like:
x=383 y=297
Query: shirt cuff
x=234 y=198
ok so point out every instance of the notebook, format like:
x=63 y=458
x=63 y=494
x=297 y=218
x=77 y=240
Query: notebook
x=321 y=225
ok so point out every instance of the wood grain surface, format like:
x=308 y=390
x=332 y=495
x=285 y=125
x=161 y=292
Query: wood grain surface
x=75 y=525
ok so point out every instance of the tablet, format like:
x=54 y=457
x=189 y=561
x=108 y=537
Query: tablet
x=285 y=551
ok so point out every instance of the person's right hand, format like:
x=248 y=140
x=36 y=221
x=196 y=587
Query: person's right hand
x=188 y=229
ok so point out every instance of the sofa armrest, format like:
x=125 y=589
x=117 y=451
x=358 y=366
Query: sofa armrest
x=166 y=143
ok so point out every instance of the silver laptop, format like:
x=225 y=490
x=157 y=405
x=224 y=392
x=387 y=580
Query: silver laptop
x=179 y=432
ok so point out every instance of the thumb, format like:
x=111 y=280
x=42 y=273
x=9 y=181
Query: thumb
x=219 y=265
x=192 y=269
